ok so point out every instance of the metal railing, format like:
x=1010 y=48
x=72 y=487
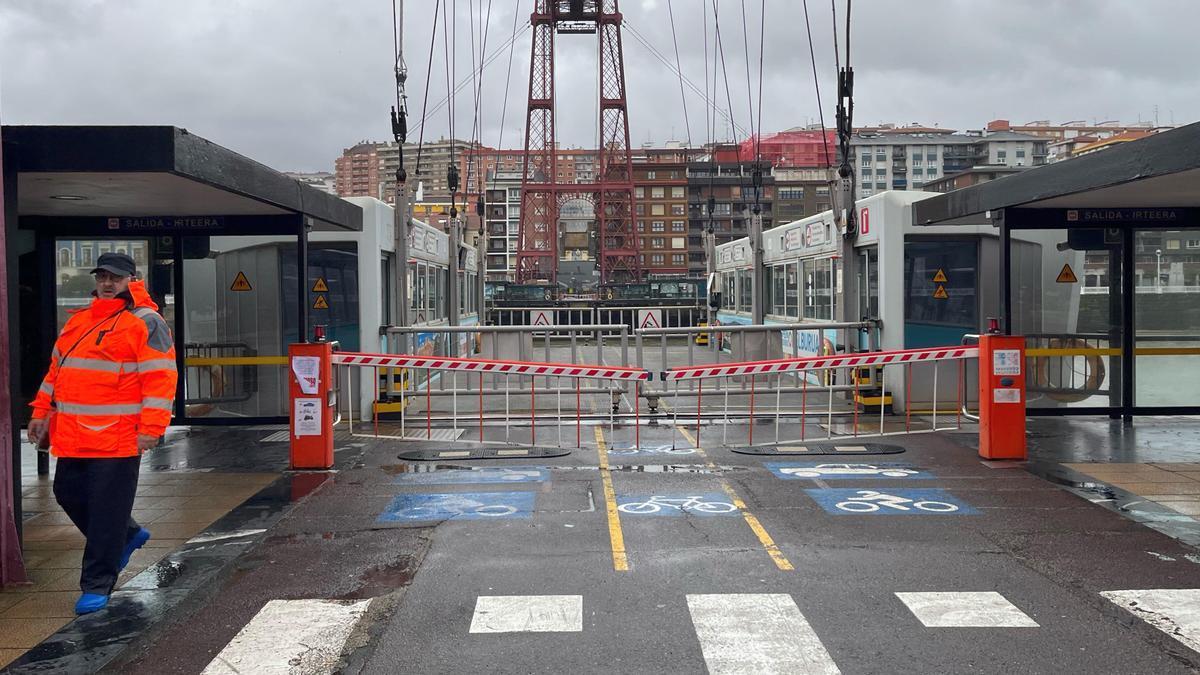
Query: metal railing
x=792 y=412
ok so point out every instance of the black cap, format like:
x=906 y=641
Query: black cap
x=117 y=263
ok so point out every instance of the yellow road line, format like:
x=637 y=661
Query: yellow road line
x=765 y=539
x=620 y=560
x=1113 y=351
x=236 y=361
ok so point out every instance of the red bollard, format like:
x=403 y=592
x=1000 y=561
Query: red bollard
x=1002 y=397
x=310 y=384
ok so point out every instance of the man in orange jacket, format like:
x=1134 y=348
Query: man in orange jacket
x=106 y=399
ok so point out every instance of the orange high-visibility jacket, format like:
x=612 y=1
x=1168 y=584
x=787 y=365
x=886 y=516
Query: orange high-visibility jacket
x=112 y=376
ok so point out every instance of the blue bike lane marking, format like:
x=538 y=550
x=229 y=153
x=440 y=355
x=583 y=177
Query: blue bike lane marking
x=482 y=475
x=845 y=471
x=458 y=506
x=890 y=502
x=692 y=503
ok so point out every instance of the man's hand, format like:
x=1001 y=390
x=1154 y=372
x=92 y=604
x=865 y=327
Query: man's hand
x=145 y=442
x=37 y=430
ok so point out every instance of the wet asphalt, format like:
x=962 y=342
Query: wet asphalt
x=1047 y=550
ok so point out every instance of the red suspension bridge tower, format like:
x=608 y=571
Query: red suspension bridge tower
x=612 y=194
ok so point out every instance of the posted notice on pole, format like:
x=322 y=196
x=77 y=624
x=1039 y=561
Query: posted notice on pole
x=307 y=414
x=308 y=372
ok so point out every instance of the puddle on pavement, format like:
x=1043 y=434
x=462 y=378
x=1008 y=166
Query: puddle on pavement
x=379 y=581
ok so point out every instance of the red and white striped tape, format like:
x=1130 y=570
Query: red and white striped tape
x=484 y=366
x=822 y=362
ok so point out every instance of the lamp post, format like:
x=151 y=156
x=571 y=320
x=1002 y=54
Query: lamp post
x=1158 y=270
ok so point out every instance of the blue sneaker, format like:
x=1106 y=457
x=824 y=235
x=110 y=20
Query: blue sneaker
x=138 y=540
x=91 y=602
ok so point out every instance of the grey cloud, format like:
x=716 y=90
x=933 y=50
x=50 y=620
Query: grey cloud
x=292 y=82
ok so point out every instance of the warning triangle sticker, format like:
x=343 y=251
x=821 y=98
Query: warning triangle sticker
x=320 y=286
x=320 y=303
x=541 y=320
x=1067 y=276
x=940 y=277
x=241 y=283
x=651 y=321
x=940 y=293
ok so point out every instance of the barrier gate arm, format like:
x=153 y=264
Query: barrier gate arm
x=622 y=373
x=822 y=362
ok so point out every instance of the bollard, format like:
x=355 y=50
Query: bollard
x=310 y=385
x=1002 y=397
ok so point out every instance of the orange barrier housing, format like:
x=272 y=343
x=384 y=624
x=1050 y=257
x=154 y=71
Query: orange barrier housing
x=310 y=384
x=1002 y=397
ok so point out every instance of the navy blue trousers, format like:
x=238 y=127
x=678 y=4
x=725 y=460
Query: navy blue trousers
x=97 y=495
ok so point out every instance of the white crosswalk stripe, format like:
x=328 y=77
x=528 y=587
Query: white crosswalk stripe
x=528 y=614
x=291 y=636
x=1174 y=611
x=757 y=633
x=965 y=609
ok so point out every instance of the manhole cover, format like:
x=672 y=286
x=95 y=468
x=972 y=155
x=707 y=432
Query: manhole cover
x=461 y=453
x=821 y=449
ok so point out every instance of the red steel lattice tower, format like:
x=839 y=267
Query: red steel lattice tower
x=612 y=193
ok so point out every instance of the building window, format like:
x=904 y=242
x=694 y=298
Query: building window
x=638 y=192
x=658 y=242
x=657 y=226
x=823 y=191
x=678 y=242
x=677 y=192
x=657 y=210
x=866 y=192
x=878 y=172
x=791 y=193
x=641 y=209
x=678 y=226
x=650 y=175
x=677 y=259
x=1001 y=154
x=1191 y=243
x=657 y=192
x=918 y=172
x=1020 y=152
x=678 y=209
x=657 y=259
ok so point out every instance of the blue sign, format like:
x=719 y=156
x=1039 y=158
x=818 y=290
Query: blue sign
x=708 y=504
x=491 y=474
x=458 y=506
x=890 y=502
x=625 y=449
x=844 y=471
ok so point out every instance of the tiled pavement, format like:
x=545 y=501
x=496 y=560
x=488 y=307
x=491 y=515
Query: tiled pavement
x=1175 y=485
x=173 y=505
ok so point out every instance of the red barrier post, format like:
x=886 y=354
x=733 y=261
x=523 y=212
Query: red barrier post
x=1002 y=397
x=310 y=384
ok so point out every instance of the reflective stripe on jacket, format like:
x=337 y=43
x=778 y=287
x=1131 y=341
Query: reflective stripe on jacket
x=112 y=383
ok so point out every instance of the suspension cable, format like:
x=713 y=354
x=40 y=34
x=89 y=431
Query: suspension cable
x=679 y=70
x=428 y=80
x=512 y=43
x=817 y=85
x=687 y=81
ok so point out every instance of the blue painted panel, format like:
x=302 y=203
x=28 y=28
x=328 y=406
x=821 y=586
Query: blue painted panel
x=459 y=506
x=891 y=502
x=845 y=471
x=704 y=504
x=491 y=474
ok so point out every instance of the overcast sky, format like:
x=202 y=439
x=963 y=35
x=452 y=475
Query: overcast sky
x=292 y=82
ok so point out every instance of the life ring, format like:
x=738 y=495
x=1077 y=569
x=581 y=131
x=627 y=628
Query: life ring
x=1050 y=378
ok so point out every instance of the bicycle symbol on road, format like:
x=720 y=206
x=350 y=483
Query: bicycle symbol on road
x=459 y=506
x=708 y=504
x=916 y=502
x=625 y=451
x=870 y=500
